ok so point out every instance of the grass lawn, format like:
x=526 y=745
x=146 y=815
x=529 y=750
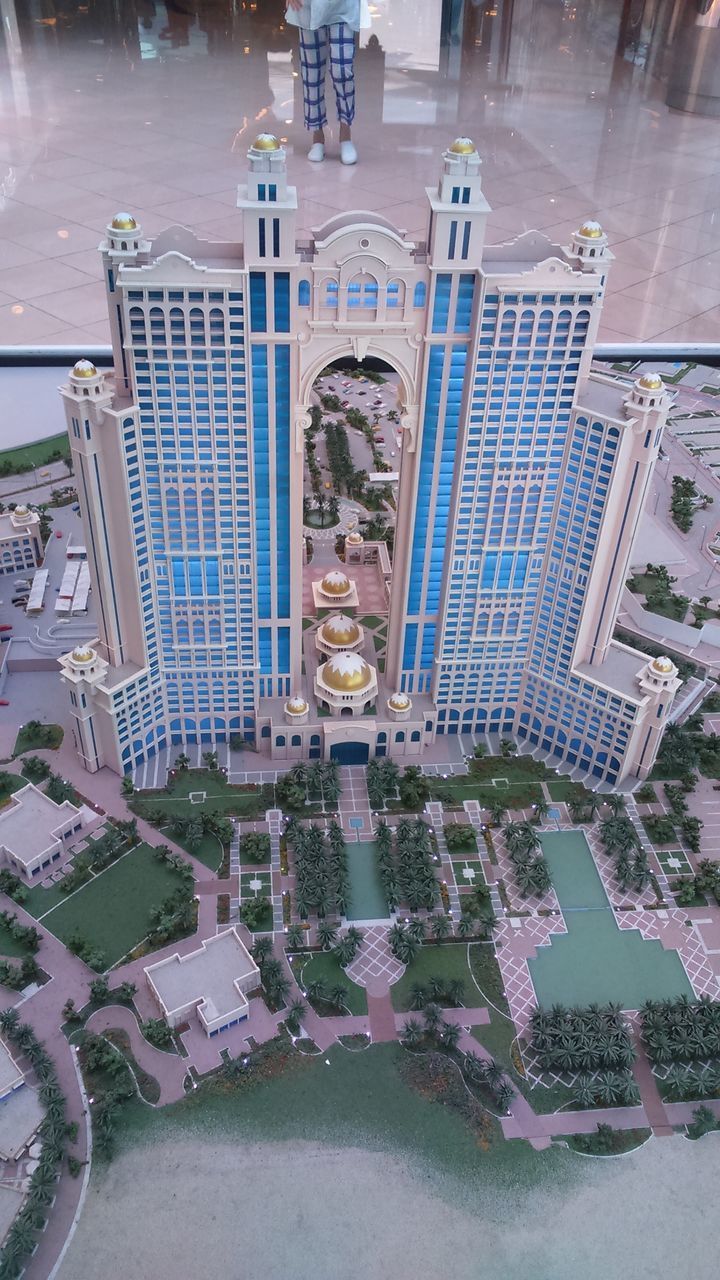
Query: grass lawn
x=40 y=900
x=48 y=739
x=467 y=882
x=563 y=789
x=513 y=768
x=38 y=454
x=435 y=959
x=321 y=966
x=209 y=851
x=246 y=801
x=113 y=910
x=460 y=787
x=9 y=783
x=248 y=878
x=10 y=946
x=666 y=857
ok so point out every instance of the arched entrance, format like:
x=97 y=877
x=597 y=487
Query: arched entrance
x=350 y=752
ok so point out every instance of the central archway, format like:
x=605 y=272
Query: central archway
x=350 y=752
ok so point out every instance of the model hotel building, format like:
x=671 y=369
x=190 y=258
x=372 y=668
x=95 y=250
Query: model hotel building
x=522 y=479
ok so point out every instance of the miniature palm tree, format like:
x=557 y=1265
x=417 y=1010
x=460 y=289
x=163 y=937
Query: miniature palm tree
x=295 y=937
x=448 y=1035
x=466 y=926
x=326 y=934
x=412 y=1033
x=338 y=995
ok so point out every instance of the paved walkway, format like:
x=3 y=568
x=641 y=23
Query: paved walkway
x=657 y=1117
x=169 y=1069
x=382 y=1018
x=375 y=966
x=43 y=1010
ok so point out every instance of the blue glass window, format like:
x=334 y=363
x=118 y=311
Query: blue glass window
x=258 y=302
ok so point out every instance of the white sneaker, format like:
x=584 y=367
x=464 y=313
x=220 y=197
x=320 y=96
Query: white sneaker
x=317 y=152
x=348 y=153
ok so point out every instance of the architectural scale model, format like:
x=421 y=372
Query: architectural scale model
x=522 y=481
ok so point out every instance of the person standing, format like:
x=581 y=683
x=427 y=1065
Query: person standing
x=328 y=27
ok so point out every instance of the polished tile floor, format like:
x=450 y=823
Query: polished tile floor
x=151 y=107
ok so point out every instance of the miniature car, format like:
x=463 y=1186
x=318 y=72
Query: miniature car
x=58 y=533
x=76 y=506
x=5 y=639
x=4 y=702
x=22 y=584
x=6 y=626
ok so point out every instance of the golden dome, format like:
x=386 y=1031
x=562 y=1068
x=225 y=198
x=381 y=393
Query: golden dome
x=462 y=147
x=339 y=629
x=84 y=369
x=123 y=222
x=21 y=512
x=297 y=706
x=650 y=382
x=663 y=665
x=83 y=653
x=355 y=539
x=346 y=672
x=335 y=583
x=266 y=142
x=590 y=230
x=399 y=702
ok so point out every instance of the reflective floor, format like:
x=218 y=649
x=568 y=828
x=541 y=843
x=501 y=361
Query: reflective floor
x=151 y=107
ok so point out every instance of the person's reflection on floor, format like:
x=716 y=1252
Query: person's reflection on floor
x=180 y=18
x=147 y=12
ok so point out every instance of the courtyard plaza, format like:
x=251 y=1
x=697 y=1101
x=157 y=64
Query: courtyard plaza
x=519 y=941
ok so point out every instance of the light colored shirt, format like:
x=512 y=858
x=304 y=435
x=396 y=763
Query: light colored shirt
x=324 y=13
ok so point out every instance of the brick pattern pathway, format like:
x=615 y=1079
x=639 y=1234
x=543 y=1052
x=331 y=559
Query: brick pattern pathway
x=435 y=816
x=670 y=928
x=474 y=813
x=274 y=820
x=375 y=966
x=619 y=899
x=514 y=942
x=648 y=847
x=354 y=804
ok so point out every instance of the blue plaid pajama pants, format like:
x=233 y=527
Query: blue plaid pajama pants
x=340 y=39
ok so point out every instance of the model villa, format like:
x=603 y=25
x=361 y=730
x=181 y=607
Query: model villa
x=36 y=833
x=212 y=981
x=20 y=542
x=522 y=480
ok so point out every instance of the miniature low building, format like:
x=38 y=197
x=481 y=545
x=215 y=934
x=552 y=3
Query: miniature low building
x=20 y=542
x=11 y=1077
x=21 y=1110
x=212 y=981
x=35 y=832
